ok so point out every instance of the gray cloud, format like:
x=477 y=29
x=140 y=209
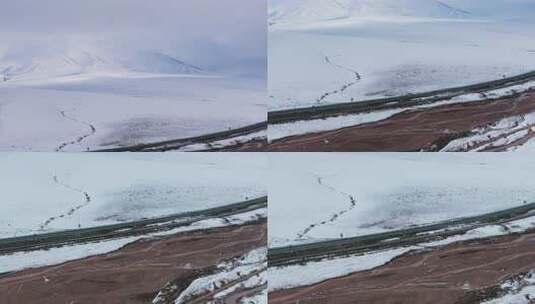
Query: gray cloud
x=217 y=34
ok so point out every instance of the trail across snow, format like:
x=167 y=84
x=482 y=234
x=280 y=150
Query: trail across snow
x=94 y=112
x=344 y=87
x=399 y=47
x=80 y=138
x=333 y=217
x=86 y=201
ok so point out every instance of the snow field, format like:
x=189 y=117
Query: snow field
x=46 y=192
x=390 y=190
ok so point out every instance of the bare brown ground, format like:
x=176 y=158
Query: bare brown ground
x=133 y=274
x=422 y=129
x=455 y=273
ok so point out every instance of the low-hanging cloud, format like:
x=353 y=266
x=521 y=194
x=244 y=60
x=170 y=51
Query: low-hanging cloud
x=226 y=35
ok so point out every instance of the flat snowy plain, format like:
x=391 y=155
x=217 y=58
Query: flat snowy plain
x=96 y=111
x=337 y=51
x=347 y=195
x=106 y=74
x=47 y=192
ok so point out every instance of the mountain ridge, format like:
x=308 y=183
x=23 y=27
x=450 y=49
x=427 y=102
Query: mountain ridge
x=304 y=11
x=82 y=61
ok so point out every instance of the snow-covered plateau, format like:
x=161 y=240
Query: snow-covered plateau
x=348 y=195
x=358 y=194
x=326 y=51
x=47 y=192
x=89 y=99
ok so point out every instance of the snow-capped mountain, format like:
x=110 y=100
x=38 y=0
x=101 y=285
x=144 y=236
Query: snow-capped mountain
x=159 y=63
x=49 y=64
x=302 y=11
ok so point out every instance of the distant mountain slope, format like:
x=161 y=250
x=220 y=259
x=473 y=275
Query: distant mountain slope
x=15 y=65
x=154 y=62
x=302 y=11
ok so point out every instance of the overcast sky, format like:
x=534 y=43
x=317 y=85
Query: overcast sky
x=497 y=8
x=224 y=35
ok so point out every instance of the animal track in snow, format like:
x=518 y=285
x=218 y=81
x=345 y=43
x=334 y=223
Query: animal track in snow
x=333 y=217
x=87 y=201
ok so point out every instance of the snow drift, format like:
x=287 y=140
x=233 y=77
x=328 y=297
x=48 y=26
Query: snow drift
x=45 y=64
x=304 y=11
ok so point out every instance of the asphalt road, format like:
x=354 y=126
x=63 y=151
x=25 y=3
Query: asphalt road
x=141 y=227
x=410 y=100
x=283 y=256
x=175 y=144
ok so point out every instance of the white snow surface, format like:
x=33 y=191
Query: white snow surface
x=519 y=291
x=44 y=192
x=254 y=261
x=88 y=100
x=310 y=273
x=503 y=132
x=528 y=146
x=278 y=131
x=391 y=191
x=302 y=11
x=236 y=219
x=397 y=47
x=261 y=135
x=46 y=63
x=22 y=260
x=110 y=112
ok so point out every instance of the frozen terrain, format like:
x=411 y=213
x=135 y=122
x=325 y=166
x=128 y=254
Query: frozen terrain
x=278 y=131
x=47 y=192
x=246 y=272
x=309 y=11
x=315 y=272
x=100 y=75
x=52 y=256
x=520 y=290
x=324 y=51
x=349 y=195
x=88 y=99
